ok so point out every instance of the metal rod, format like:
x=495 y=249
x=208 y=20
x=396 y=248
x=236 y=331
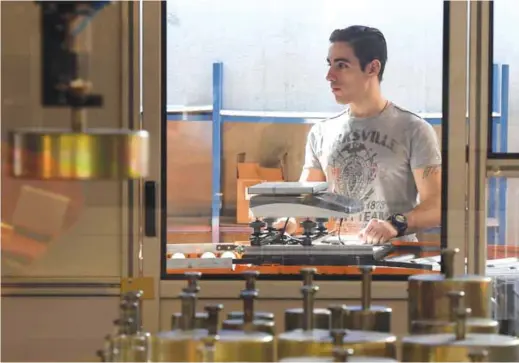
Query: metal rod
x=78 y=116
x=448 y=261
x=187 y=319
x=250 y=279
x=336 y=317
x=192 y=282
x=213 y=313
x=461 y=323
x=308 y=306
x=456 y=298
x=248 y=297
x=308 y=275
x=366 y=286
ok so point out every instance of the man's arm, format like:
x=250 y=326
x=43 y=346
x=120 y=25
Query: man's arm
x=425 y=163
x=312 y=175
x=427 y=214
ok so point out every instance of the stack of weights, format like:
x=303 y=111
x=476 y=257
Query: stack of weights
x=262 y=321
x=311 y=342
x=128 y=343
x=245 y=340
x=340 y=353
x=366 y=316
x=182 y=343
x=192 y=287
x=450 y=317
x=294 y=318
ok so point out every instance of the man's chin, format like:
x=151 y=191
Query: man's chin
x=342 y=101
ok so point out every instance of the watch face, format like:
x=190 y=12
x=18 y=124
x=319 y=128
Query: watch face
x=400 y=218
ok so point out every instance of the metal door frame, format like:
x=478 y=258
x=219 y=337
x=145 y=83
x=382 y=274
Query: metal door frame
x=454 y=221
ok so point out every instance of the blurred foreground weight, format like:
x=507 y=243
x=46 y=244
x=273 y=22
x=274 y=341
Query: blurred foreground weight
x=367 y=316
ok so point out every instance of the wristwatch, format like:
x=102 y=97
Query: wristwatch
x=399 y=221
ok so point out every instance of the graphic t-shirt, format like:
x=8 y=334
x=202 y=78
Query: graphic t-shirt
x=372 y=159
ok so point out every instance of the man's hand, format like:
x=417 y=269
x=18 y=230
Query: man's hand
x=377 y=231
x=291 y=225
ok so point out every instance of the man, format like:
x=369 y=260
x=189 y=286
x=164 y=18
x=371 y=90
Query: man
x=375 y=150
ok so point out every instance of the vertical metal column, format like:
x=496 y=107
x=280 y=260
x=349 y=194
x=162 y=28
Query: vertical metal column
x=503 y=136
x=479 y=114
x=454 y=129
x=217 y=151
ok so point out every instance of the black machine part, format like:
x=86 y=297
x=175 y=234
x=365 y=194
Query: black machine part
x=60 y=65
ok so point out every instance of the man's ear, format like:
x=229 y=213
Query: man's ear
x=373 y=68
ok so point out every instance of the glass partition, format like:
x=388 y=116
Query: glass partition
x=243 y=95
x=504 y=127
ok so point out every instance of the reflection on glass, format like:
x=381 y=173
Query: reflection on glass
x=246 y=104
x=505 y=123
x=503 y=251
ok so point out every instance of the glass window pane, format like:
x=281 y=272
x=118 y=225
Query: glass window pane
x=503 y=250
x=505 y=104
x=243 y=94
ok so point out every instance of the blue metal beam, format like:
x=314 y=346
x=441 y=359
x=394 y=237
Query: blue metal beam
x=217 y=151
x=503 y=135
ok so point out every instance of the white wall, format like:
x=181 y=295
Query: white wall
x=274 y=53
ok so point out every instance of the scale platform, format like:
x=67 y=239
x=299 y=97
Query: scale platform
x=288 y=188
x=315 y=254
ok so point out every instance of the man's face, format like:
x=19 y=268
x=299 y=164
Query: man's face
x=347 y=80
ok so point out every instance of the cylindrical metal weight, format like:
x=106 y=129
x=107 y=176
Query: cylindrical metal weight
x=74 y=155
x=331 y=359
x=199 y=323
x=243 y=346
x=177 y=345
x=294 y=319
x=181 y=345
x=248 y=295
x=200 y=318
x=428 y=294
x=258 y=315
x=460 y=346
x=474 y=325
x=234 y=345
x=317 y=342
x=265 y=326
x=367 y=316
x=340 y=354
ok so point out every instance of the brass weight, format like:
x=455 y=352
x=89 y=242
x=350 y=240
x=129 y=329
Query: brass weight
x=367 y=316
x=339 y=353
x=180 y=345
x=250 y=284
x=265 y=326
x=192 y=286
x=294 y=317
x=247 y=345
x=129 y=343
x=428 y=294
x=318 y=342
x=460 y=346
x=474 y=325
x=79 y=154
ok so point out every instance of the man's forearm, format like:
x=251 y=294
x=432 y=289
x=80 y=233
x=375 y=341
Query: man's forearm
x=426 y=215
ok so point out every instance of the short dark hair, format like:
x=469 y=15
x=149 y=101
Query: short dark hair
x=367 y=43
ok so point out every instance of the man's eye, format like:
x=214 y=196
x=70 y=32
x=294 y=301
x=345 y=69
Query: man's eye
x=342 y=65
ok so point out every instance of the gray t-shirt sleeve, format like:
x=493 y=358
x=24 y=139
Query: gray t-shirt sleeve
x=311 y=159
x=425 y=149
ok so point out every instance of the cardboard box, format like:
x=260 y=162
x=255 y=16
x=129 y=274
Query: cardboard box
x=249 y=174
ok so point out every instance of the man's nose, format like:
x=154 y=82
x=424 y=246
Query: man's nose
x=329 y=76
